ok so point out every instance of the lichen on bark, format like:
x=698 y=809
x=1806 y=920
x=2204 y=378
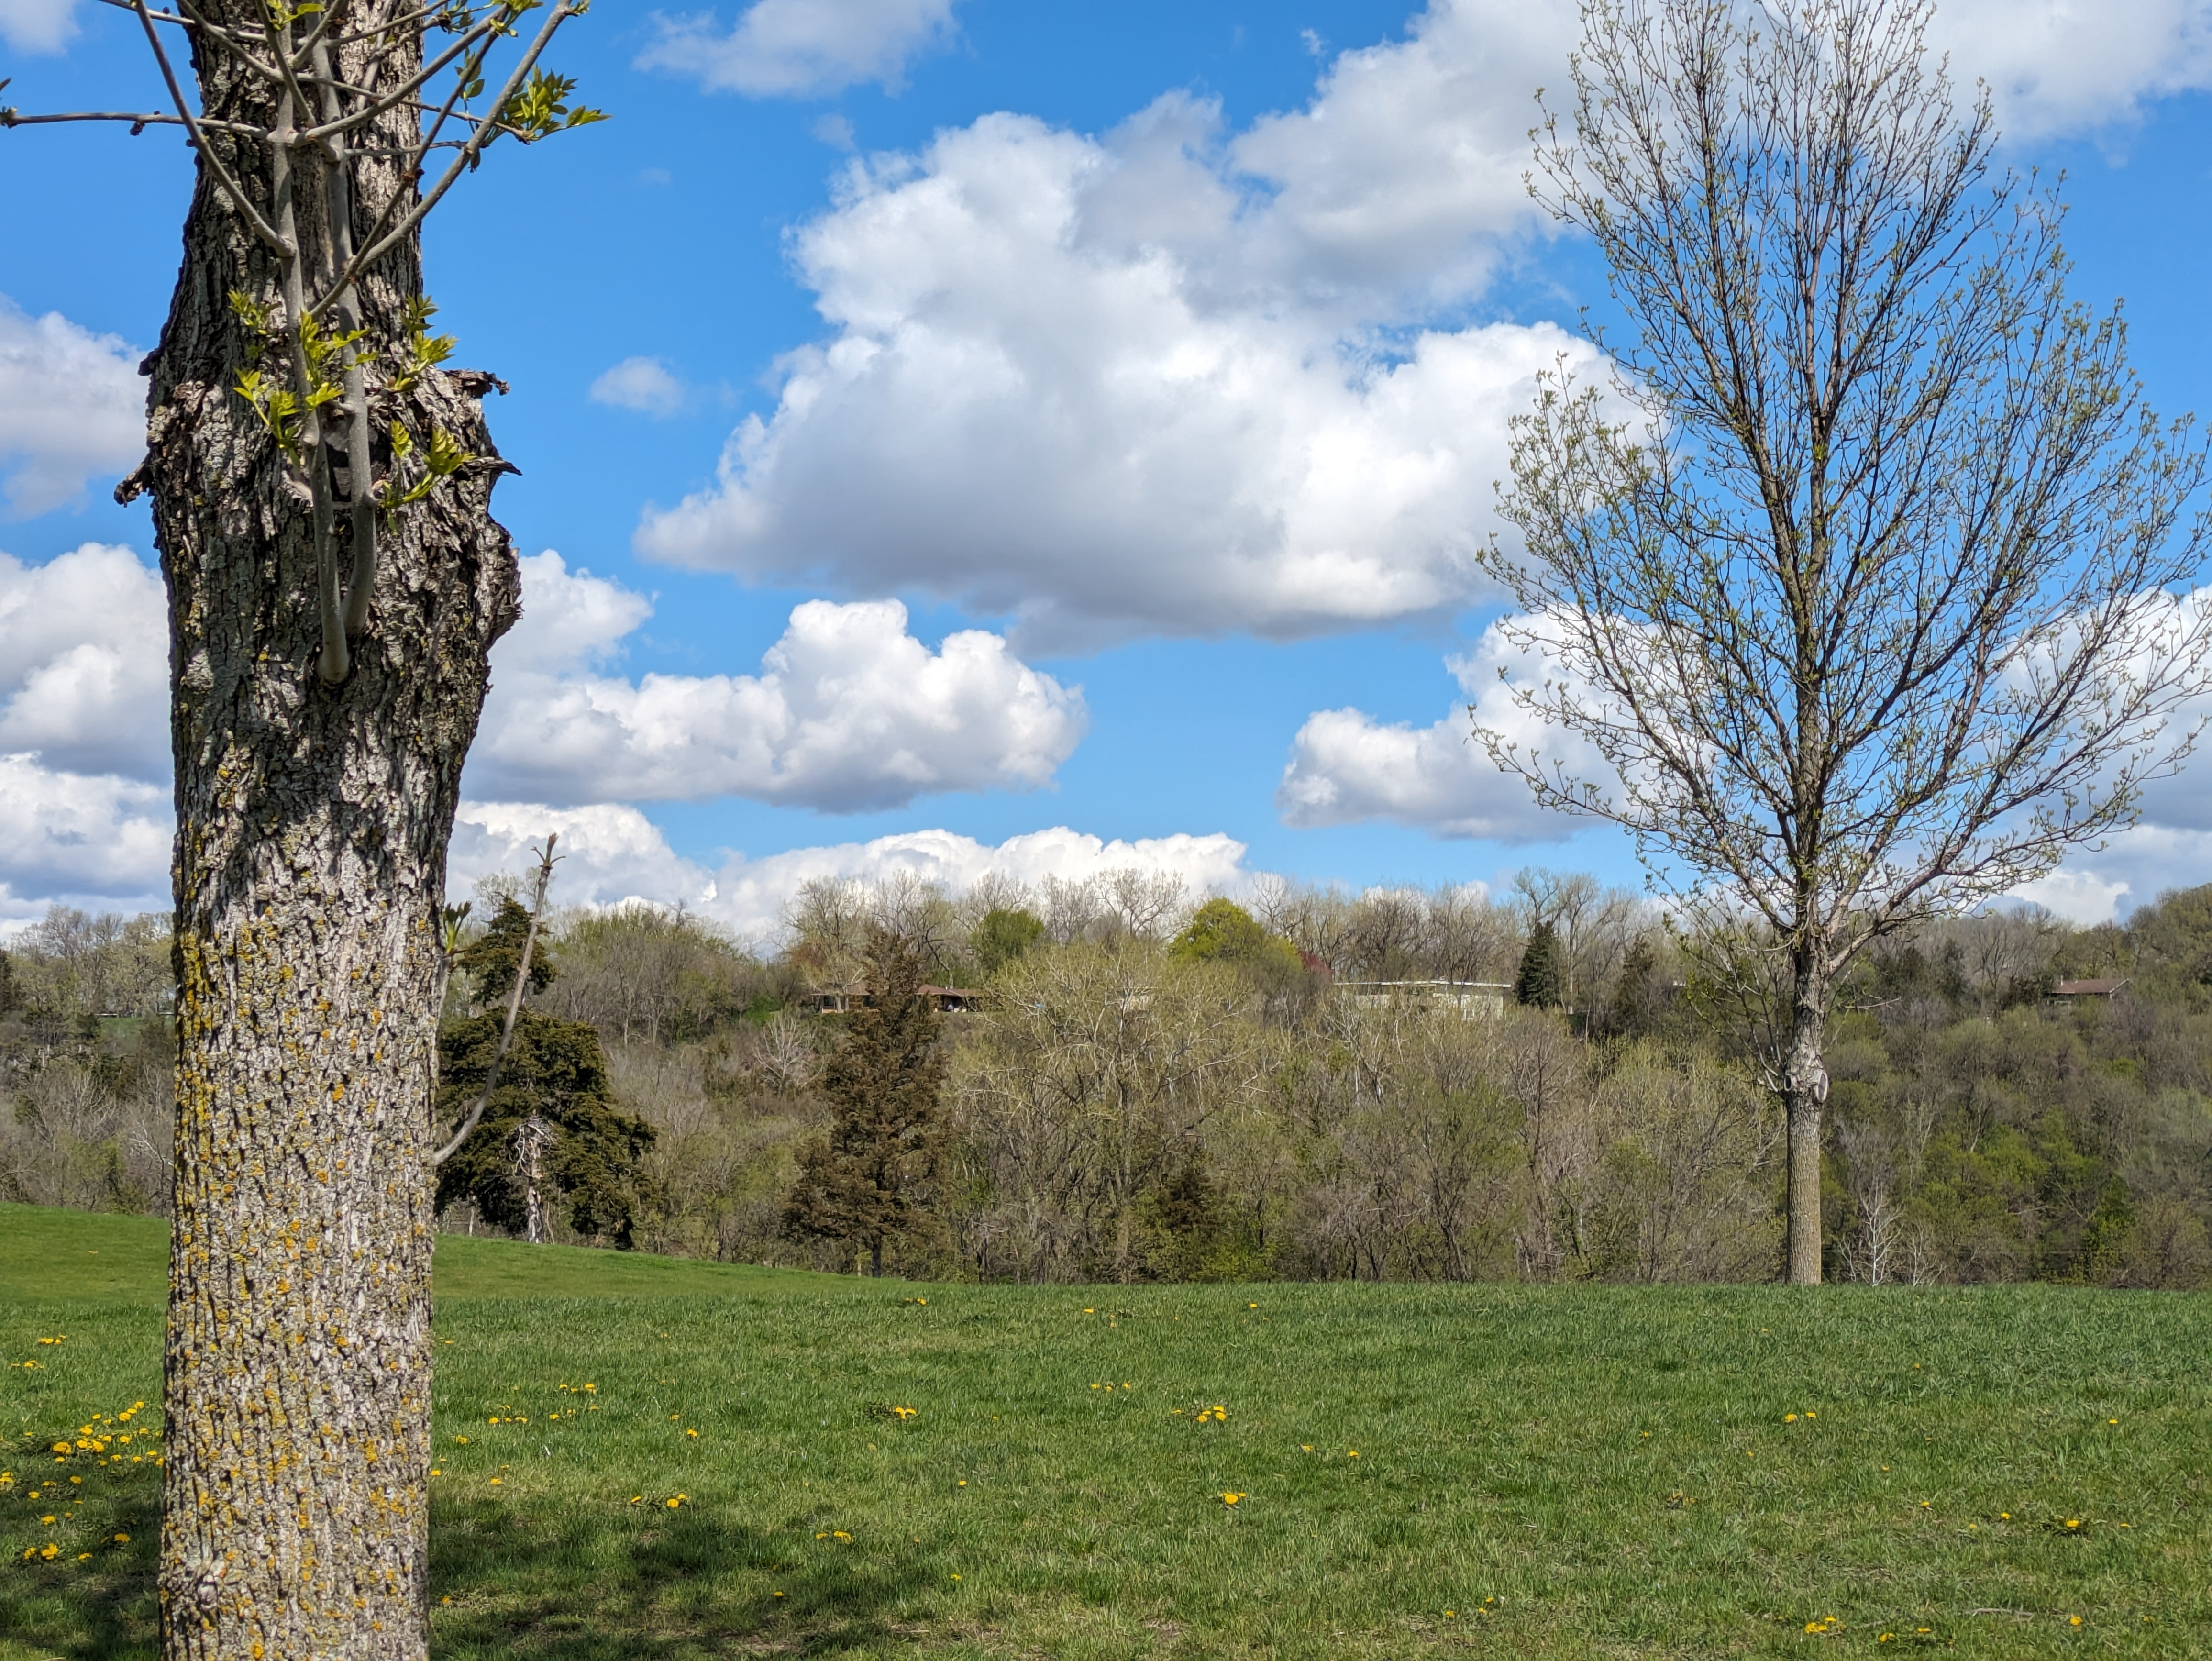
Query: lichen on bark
x=310 y=864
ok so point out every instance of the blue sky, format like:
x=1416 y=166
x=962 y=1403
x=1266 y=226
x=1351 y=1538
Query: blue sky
x=1153 y=357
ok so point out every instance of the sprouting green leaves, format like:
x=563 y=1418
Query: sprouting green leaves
x=503 y=18
x=283 y=16
x=424 y=351
x=254 y=316
x=273 y=403
x=542 y=108
x=440 y=459
x=324 y=356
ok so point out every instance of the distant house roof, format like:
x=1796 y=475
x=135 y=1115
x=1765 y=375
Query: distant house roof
x=833 y=1000
x=2096 y=988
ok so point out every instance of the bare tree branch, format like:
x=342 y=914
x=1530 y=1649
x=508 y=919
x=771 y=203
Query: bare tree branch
x=545 y=862
x=224 y=182
x=1865 y=576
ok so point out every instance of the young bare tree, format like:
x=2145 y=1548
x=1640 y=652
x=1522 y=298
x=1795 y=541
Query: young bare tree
x=321 y=494
x=1859 y=577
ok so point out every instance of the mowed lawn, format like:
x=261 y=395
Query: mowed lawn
x=866 y=1469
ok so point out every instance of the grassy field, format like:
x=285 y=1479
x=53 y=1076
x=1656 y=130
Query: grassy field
x=1421 y=1470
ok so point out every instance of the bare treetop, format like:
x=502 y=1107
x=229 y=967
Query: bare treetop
x=1865 y=574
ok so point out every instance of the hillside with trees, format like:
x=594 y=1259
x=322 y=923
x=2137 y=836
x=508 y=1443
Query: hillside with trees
x=1554 y=1084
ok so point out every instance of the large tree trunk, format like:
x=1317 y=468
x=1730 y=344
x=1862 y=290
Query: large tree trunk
x=1804 y=1095
x=311 y=826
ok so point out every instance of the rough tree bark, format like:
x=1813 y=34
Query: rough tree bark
x=310 y=864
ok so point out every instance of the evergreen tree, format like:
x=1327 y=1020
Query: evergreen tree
x=492 y=957
x=557 y=1070
x=1538 y=982
x=1638 y=1002
x=867 y=1182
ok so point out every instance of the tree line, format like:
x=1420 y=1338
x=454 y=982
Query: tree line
x=1557 y=1082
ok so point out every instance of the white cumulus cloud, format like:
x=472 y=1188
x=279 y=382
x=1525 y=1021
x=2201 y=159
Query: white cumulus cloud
x=1346 y=767
x=850 y=711
x=84 y=653
x=1079 y=390
x=616 y=854
x=1181 y=380
x=66 y=834
x=643 y=384
x=38 y=26
x=2058 y=66
x=72 y=407
x=801 y=48
x=84 y=732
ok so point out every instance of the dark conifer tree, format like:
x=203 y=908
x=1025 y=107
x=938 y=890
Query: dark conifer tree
x=1538 y=982
x=556 y=1070
x=492 y=957
x=867 y=1182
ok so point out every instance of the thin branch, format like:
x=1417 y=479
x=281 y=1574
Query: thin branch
x=337 y=207
x=473 y=149
x=12 y=118
x=240 y=42
x=280 y=54
x=413 y=171
x=545 y=861
x=384 y=103
x=229 y=186
x=404 y=20
x=158 y=17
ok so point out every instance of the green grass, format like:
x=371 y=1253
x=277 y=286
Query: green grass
x=1610 y=1465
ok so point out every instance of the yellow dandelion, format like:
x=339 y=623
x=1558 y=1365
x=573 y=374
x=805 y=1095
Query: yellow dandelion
x=1230 y=1499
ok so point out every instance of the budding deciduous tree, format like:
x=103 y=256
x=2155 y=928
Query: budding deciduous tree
x=1861 y=578
x=321 y=493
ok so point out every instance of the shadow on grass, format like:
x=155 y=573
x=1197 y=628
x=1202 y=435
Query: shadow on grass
x=526 y=1586
x=102 y=1610
x=685 y=1583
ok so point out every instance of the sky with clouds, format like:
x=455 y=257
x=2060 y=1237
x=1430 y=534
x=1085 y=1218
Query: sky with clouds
x=974 y=435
